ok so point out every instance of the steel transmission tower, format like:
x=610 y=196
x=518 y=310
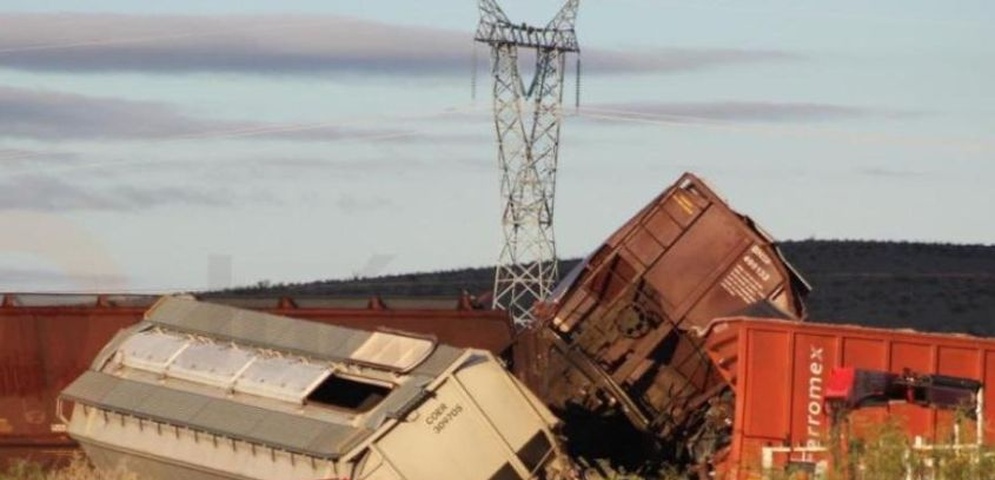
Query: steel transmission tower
x=527 y=121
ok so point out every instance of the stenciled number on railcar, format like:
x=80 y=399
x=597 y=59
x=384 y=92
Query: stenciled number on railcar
x=442 y=416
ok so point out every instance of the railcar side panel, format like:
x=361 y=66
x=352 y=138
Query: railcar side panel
x=778 y=371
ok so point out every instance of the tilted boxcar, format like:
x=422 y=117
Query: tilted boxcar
x=202 y=391
x=617 y=339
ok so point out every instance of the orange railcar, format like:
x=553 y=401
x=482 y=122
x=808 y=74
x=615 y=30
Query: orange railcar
x=778 y=372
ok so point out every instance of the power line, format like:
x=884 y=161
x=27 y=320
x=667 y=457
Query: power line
x=802 y=10
x=154 y=38
x=244 y=132
x=689 y=121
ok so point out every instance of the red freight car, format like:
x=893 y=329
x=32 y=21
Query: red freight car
x=616 y=342
x=45 y=343
x=47 y=340
x=779 y=373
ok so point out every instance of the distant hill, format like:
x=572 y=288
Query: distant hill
x=931 y=287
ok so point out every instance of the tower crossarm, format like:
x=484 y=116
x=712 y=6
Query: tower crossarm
x=495 y=29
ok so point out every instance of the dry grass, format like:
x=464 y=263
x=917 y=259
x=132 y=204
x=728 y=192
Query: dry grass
x=888 y=453
x=78 y=469
x=884 y=453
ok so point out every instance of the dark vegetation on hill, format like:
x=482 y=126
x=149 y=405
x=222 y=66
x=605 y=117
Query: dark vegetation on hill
x=932 y=287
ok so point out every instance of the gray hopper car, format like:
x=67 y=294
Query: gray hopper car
x=208 y=392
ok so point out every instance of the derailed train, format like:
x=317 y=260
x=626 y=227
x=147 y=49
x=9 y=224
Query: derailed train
x=616 y=343
x=625 y=348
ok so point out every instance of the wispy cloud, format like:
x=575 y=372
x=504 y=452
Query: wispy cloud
x=735 y=111
x=350 y=203
x=51 y=115
x=889 y=172
x=49 y=194
x=782 y=119
x=24 y=278
x=284 y=44
x=680 y=59
x=18 y=157
x=252 y=169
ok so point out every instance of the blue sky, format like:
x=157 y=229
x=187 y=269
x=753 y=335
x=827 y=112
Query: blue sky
x=308 y=140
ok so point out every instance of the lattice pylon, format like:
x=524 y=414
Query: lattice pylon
x=527 y=122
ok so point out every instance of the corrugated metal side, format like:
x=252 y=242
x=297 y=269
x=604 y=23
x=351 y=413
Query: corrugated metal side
x=779 y=369
x=42 y=349
x=296 y=433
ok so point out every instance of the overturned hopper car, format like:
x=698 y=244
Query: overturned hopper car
x=47 y=340
x=202 y=391
x=617 y=339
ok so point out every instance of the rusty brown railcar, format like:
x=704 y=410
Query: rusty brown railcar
x=47 y=340
x=617 y=338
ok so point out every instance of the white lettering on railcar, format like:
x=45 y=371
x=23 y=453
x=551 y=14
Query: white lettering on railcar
x=813 y=405
x=757 y=269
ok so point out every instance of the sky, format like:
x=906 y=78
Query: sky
x=145 y=145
